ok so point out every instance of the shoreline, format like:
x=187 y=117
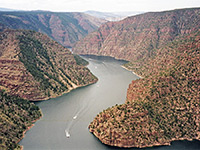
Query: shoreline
x=144 y=146
x=55 y=96
x=132 y=72
x=34 y=121
x=28 y=128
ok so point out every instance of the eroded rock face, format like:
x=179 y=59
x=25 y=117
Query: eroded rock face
x=65 y=28
x=161 y=107
x=34 y=67
x=136 y=38
x=164 y=105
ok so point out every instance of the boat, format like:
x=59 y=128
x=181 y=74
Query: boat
x=67 y=134
x=75 y=117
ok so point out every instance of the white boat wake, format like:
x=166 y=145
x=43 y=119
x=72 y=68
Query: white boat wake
x=81 y=110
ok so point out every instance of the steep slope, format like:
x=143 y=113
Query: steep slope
x=16 y=117
x=165 y=57
x=162 y=107
x=34 y=67
x=65 y=28
x=135 y=38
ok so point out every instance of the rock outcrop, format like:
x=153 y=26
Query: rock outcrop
x=34 y=67
x=65 y=28
x=162 y=107
x=136 y=38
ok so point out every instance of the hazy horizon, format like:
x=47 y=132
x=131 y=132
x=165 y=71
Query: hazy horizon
x=98 y=5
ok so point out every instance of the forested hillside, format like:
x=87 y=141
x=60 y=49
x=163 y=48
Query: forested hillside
x=161 y=107
x=65 y=28
x=16 y=116
x=34 y=67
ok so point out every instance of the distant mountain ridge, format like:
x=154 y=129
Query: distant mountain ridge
x=112 y=16
x=136 y=37
x=65 y=28
x=6 y=9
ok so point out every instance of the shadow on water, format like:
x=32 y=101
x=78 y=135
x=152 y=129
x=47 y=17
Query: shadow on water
x=104 y=58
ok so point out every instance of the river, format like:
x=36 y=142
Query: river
x=73 y=112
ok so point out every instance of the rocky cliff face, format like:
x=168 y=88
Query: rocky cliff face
x=162 y=107
x=65 y=28
x=34 y=67
x=136 y=38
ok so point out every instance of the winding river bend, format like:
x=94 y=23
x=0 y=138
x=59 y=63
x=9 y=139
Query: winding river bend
x=64 y=125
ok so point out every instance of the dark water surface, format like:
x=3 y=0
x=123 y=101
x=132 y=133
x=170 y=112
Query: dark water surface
x=74 y=111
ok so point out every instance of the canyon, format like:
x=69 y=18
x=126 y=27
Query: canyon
x=161 y=47
x=162 y=106
x=33 y=68
x=137 y=37
x=65 y=28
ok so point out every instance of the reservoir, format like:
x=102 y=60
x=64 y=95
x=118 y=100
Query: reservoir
x=64 y=125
